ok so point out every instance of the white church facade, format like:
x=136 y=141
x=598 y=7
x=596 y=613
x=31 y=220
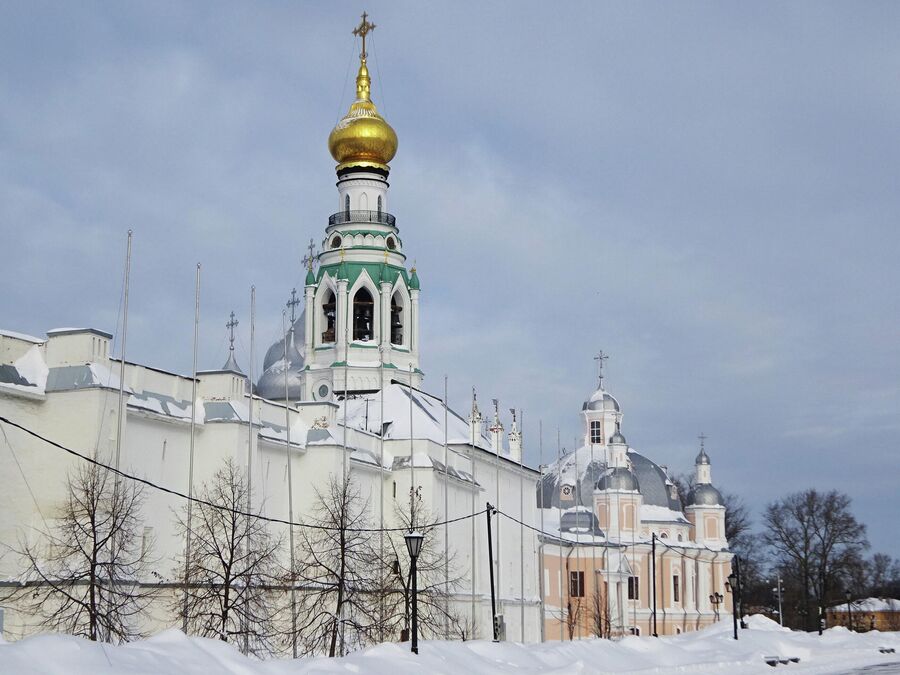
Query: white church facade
x=343 y=391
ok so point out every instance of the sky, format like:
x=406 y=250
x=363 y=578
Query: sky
x=706 y=191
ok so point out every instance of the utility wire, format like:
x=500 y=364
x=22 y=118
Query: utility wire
x=219 y=507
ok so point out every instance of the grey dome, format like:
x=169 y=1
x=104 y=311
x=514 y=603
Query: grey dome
x=704 y=495
x=275 y=353
x=279 y=372
x=702 y=458
x=618 y=478
x=653 y=481
x=601 y=400
x=617 y=439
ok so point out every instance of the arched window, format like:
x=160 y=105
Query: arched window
x=363 y=202
x=363 y=312
x=379 y=208
x=347 y=205
x=596 y=431
x=328 y=309
x=396 y=321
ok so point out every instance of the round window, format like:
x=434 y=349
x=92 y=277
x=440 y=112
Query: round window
x=336 y=241
x=323 y=391
x=391 y=244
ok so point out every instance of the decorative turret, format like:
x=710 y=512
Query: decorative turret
x=600 y=412
x=496 y=429
x=515 y=439
x=475 y=420
x=706 y=508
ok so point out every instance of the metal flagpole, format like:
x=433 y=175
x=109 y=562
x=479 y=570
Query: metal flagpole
x=559 y=485
x=249 y=459
x=499 y=545
x=121 y=410
x=187 y=536
x=594 y=584
x=412 y=459
x=381 y=497
x=348 y=316
x=121 y=406
x=290 y=480
x=522 y=522
x=472 y=424
x=577 y=491
x=543 y=591
x=446 y=524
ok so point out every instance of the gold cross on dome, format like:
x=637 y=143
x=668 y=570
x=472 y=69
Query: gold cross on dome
x=363 y=29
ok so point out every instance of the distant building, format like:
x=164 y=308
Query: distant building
x=864 y=615
x=605 y=509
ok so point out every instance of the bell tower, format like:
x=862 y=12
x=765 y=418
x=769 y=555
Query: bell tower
x=362 y=303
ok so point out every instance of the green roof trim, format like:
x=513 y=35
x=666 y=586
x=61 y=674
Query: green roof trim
x=378 y=272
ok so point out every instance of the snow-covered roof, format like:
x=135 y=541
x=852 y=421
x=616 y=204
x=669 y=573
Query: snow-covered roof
x=875 y=605
x=426 y=411
x=661 y=514
x=237 y=411
x=21 y=336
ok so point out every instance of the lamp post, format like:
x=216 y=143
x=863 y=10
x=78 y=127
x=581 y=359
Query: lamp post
x=414 y=546
x=777 y=589
x=732 y=586
x=849 y=612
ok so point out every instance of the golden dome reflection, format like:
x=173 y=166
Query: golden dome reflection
x=362 y=137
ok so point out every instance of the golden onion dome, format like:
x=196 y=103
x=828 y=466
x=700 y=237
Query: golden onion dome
x=363 y=138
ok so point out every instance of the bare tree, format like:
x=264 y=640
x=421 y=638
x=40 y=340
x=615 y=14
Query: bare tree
x=601 y=619
x=435 y=613
x=232 y=567
x=83 y=575
x=338 y=568
x=816 y=543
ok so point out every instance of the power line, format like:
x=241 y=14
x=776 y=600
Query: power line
x=219 y=507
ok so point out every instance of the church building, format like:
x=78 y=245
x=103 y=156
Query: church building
x=343 y=392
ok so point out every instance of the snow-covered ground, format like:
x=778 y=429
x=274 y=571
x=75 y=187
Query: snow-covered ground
x=710 y=651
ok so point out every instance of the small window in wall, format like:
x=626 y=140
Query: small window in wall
x=391 y=243
x=576 y=584
x=328 y=309
x=676 y=588
x=336 y=241
x=664 y=535
x=347 y=205
x=634 y=630
x=379 y=208
x=634 y=589
x=596 y=431
x=396 y=322
x=395 y=489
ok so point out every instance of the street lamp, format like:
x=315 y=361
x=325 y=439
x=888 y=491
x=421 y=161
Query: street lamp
x=849 y=612
x=732 y=586
x=414 y=546
x=777 y=590
x=715 y=599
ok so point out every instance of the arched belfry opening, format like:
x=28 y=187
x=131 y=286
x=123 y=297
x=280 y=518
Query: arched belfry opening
x=329 y=313
x=379 y=208
x=363 y=315
x=396 y=320
x=347 y=205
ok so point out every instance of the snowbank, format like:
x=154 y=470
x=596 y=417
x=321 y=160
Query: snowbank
x=710 y=651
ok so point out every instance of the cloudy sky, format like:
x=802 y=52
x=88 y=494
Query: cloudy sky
x=708 y=192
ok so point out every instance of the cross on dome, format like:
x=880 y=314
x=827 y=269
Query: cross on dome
x=600 y=358
x=231 y=325
x=292 y=303
x=363 y=29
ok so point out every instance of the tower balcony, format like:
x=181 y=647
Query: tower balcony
x=380 y=217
